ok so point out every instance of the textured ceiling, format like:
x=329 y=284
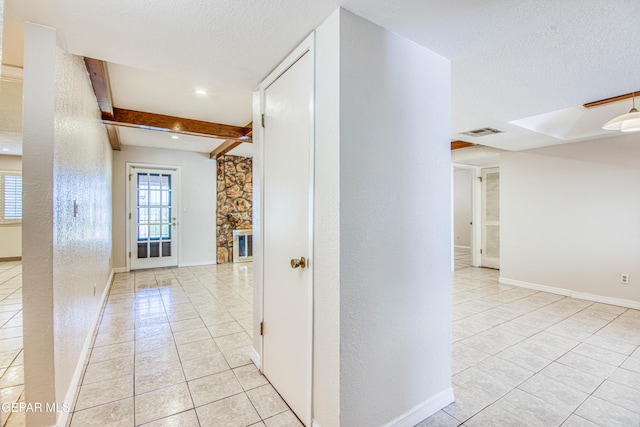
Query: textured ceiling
x=511 y=60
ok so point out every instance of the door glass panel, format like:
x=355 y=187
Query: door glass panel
x=154 y=250
x=143 y=232
x=142 y=250
x=166 y=248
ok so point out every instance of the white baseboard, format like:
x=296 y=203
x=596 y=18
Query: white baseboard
x=72 y=393
x=424 y=410
x=255 y=358
x=120 y=270
x=462 y=246
x=573 y=294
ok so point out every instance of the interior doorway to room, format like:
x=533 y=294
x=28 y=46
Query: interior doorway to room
x=462 y=217
x=153 y=217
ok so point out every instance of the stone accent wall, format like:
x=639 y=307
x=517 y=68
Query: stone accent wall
x=235 y=194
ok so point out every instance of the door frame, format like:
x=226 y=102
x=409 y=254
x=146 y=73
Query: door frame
x=129 y=168
x=306 y=47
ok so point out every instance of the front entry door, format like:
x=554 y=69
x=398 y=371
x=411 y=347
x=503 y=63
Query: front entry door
x=153 y=217
x=286 y=355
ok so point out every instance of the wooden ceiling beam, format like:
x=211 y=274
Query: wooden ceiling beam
x=114 y=139
x=224 y=148
x=99 y=76
x=460 y=144
x=228 y=145
x=161 y=122
x=611 y=100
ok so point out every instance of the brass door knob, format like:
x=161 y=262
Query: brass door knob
x=295 y=262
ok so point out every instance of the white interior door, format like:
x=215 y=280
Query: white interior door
x=288 y=139
x=491 y=218
x=153 y=218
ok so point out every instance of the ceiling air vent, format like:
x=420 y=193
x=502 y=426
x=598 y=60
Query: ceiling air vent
x=482 y=132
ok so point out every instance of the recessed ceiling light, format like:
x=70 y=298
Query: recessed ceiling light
x=201 y=92
x=175 y=137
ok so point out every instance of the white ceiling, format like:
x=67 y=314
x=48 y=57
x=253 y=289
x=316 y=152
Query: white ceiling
x=523 y=66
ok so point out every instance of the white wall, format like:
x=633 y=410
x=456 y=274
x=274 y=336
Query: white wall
x=197 y=201
x=462 y=207
x=66 y=258
x=10 y=234
x=570 y=218
x=382 y=227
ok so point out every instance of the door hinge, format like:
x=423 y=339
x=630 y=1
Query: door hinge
x=129 y=215
x=261 y=328
x=129 y=254
x=480 y=251
x=262 y=119
x=130 y=176
x=480 y=178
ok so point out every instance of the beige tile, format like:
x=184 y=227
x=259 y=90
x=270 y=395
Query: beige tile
x=197 y=349
x=142 y=346
x=160 y=376
x=114 y=337
x=160 y=356
x=632 y=364
x=203 y=366
x=618 y=394
x=234 y=411
x=233 y=341
x=115 y=414
x=554 y=392
x=17 y=419
x=183 y=419
x=192 y=335
x=532 y=410
x=13 y=376
x=114 y=351
x=186 y=325
x=576 y=421
x=626 y=377
x=607 y=414
x=494 y=416
x=225 y=329
x=250 y=377
x=600 y=354
x=524 y=358
x=214 y=387
x=162 y=403
x=612 y=344
x=238 y=356
x=267 y=401
x=571 y=377
x=106 y=391
x=288 y=419
x=100 y=371
x=587 y=364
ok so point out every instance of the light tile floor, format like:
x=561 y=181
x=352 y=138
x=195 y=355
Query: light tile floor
x=172 y=350
x=528 y=358
x=11 y=360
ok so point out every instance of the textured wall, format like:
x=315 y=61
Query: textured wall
x=66 y=257
x=81 y=242
x=235 y=192
x=573 y=208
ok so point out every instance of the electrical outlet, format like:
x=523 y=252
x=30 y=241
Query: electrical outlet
x=624 y=279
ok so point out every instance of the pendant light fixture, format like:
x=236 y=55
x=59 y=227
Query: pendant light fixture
x=629 y=122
